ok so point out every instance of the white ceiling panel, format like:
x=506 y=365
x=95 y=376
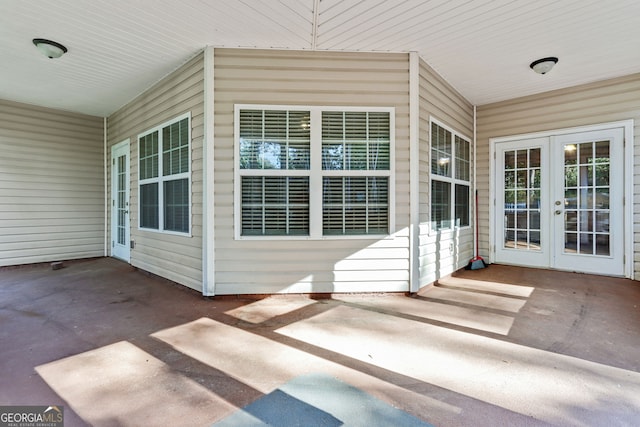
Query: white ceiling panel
x=117 y=48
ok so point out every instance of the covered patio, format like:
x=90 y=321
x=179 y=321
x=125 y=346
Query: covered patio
x=496 y=346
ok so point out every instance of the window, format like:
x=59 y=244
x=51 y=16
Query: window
x=313 y=172
x=165 y=184
x=450 y=179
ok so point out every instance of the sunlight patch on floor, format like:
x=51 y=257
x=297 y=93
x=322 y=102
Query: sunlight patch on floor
x=249 y=358
x=482 y=285
x=265 y=364
x=120 y=384
x=467 y=317
x=268 y=308
x=494 y=302
x=533 y=382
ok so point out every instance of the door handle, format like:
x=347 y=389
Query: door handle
x=558 y=212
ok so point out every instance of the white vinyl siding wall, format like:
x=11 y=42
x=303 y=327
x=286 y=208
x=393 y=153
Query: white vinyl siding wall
x=51 y=185
x=175 y=257
x=601 y=102
x=316 y=79
x=445 y=251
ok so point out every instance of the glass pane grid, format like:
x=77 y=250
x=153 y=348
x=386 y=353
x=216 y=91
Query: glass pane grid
x=163 y=153
x=149 y=156
x=176 y=205
x=522 y=199
x=586 y=198
x=441 y=150
x=450 y=158
x=463 y=159
x=149 y=215
x=175 y=142
x=440 y=205
x=121 y=201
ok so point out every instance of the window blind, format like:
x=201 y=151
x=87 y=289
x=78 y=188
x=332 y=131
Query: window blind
x=274 y=139
x=277 y=171
x=355 y=140
x=275 y=206
x=355 y=205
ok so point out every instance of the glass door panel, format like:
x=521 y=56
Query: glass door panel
x=522 y=199
x=122 y=202
x=559 y=202
x=589 y=206
x=522 y=224
x=120 y=188
x=586 y=190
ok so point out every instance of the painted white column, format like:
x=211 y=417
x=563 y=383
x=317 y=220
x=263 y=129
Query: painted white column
x=208 y=217
x=105 y=165
x=414 y=172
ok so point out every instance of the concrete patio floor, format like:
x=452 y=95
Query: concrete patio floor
x=497 y=346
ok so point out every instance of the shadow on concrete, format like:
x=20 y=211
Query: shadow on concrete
x=118 y=347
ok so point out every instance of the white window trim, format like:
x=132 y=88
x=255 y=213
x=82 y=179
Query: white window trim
x=452 y=180
x=315 y=170
x=160 y=179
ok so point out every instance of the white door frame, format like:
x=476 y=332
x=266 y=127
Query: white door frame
x=627 y=126
x=122 y=252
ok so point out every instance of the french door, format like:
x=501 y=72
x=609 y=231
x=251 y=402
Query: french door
x=120 y=229
x=560 y=202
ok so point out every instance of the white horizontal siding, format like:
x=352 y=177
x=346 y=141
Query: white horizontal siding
x=51 y=185
x=177 y=258
x=440 y=253
x=309 y=78
x=605 y=101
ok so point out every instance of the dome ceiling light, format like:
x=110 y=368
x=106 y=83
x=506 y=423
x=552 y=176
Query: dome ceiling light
x=50 y=48
x=544 y=65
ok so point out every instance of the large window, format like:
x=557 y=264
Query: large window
x=164 y=183
x=450 y=179
x=313 y=172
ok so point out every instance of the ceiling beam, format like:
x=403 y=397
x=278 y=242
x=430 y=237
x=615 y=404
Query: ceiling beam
x=314 y=24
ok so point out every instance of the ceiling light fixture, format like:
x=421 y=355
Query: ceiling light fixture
x=50 y=48
x=544 y=65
